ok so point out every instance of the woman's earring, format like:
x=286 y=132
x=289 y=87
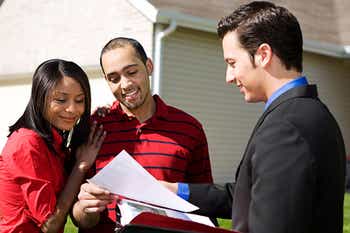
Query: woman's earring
x=69 y=138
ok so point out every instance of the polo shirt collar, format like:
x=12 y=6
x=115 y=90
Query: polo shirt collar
x=161 y=109
x=120 y=114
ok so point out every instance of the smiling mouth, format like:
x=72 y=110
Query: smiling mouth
x=130 y=95
x=69 y=119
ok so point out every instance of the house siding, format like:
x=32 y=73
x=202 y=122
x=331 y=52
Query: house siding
x=321 y=20
x=194 y=80
x=333 y=81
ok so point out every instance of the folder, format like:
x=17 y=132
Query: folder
x=148 y=229
x=129 y=209
x=150 y=223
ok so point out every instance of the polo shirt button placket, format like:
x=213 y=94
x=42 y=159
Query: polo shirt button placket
x=138 y=131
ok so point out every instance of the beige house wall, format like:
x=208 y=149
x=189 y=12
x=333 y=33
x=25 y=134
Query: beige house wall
x=34 y=31
x=194 y=80
x=14 y=96
x=321 y=20
x=333 y=80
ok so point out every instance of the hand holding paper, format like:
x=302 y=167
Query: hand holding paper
x=124 y=176
x=94 y=199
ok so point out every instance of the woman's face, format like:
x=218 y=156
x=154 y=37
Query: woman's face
x=65 y=104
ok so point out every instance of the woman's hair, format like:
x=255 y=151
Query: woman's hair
x=45 y=78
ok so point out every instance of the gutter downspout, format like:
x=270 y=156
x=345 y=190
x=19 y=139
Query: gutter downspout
x=158 y=47
x=328 y=49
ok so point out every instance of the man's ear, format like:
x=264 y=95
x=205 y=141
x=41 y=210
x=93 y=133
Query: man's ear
x=263 y=55
x=149 y=66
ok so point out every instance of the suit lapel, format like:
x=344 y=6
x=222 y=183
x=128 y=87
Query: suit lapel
x=308 y=91
x=261 y=119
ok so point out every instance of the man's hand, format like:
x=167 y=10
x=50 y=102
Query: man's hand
x=171 y=186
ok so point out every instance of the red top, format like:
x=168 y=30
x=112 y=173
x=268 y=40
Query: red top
x=171 y=146
x=31 y=177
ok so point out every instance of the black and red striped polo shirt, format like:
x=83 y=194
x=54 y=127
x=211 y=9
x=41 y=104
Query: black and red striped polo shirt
x=171 y=145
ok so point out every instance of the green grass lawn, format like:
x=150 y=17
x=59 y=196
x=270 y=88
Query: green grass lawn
x=70 y=228
x=346 y=228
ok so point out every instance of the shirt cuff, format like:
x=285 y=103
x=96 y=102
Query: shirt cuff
x=183 y=191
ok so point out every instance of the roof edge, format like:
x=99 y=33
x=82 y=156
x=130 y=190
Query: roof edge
x=146 y=8
x=165 y=16
x=328 y=49
x=185 y=20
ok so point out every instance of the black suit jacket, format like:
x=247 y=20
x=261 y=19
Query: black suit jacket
x=291 y=177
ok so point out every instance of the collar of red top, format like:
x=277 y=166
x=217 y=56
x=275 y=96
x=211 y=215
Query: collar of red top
x=161 y=109
x=57 y=139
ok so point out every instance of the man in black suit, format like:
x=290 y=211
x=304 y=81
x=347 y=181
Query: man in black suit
x=291 y=177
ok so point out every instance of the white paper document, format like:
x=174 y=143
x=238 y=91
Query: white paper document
x=126 y=177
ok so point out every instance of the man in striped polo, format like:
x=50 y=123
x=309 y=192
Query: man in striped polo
x=169 y=143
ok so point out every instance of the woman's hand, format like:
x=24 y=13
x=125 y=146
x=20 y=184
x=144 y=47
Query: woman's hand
x=86 y=153
x=102 y=111
x=93 y=199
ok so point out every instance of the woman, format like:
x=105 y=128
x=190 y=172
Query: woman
x=42 y=149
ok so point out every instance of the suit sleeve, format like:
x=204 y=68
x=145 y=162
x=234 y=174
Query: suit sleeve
x=282 y=180
x=212 y=199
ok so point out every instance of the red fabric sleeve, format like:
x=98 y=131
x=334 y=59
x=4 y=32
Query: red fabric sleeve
x=199 y=168
x=31 y=167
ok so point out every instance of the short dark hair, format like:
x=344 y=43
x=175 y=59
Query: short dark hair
x=121 y=42
x=263 y=22
x=45 y=78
